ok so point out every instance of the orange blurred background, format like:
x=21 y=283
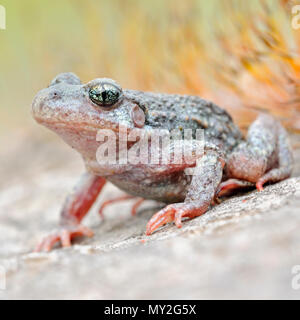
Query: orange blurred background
x=244 y=55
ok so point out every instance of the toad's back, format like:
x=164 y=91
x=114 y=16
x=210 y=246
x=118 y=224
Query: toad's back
x=172 y=111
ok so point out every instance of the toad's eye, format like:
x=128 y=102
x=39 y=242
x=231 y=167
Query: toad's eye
x=104 y=94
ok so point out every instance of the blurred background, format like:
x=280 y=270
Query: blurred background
x=243 y=55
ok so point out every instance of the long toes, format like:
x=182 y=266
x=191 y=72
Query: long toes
x=231 y=185
x=50 y=242
x=112 y=201
x=136 y=206
x=65 y=238
x=159 y=219
x=178 y=216
x=40 y=246
x=259 y=186
x=101 y=211
x=81 y=231
x=85 y=231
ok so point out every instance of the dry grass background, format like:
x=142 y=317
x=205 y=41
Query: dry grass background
x=242 y=54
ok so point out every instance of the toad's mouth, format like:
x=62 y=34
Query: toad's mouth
x=86 y=138
x=69 y=125
x=82 y=131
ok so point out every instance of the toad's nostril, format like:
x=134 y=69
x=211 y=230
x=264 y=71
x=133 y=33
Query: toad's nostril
x=52 y=96
x=45 y=101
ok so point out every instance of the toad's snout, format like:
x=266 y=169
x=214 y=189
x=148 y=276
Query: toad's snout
x=59 y=103
x=60 y=97
x=46 y=104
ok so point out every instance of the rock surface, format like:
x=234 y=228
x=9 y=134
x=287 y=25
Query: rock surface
x=245 y=247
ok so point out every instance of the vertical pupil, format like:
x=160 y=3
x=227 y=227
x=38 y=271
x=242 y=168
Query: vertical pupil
x=104 y=96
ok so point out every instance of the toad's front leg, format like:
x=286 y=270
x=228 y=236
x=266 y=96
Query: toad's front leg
x=76 y=207
x=205 y=181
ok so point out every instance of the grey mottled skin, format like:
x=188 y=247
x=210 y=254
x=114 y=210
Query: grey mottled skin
x=169 y=111
x=228 y=161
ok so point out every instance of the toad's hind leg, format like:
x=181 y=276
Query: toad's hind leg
x=265 y=156
x=285 y=161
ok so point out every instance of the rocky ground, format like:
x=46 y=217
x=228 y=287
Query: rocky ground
x=245 y=247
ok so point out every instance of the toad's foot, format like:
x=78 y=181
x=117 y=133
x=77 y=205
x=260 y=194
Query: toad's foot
x=134 y=207
x=76 y=207
x=63 y=235
x=265 y=157
x=206 y=178
x=173 y=212
x=231 y=185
